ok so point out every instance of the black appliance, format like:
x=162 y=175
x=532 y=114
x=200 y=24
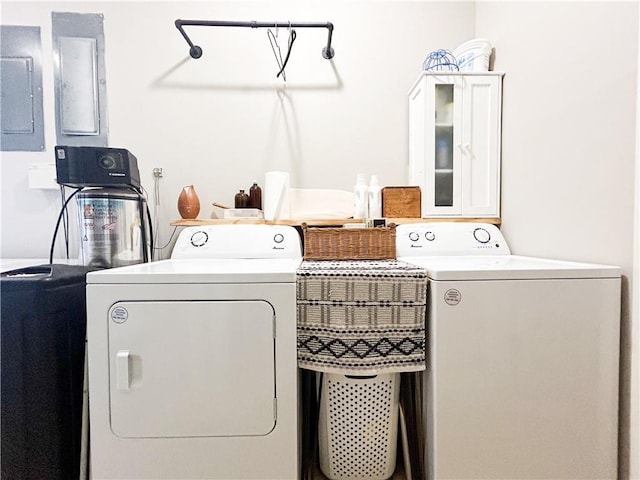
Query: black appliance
x=43 y=330
x=96 y=167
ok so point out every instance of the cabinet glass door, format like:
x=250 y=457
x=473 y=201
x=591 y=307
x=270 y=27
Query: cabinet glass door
x=443 y=187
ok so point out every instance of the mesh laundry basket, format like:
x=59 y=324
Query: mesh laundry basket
x=358 y=426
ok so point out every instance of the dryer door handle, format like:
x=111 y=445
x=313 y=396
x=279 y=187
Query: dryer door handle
x=122 y=370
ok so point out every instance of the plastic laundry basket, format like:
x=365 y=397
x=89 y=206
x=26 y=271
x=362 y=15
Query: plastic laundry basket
x=358 y=426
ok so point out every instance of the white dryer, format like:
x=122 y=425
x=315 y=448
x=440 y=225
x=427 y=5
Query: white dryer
x=192 y=360
x=522 y=360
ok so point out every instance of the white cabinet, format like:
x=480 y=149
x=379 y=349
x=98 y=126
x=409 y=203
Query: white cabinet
x=454 y=143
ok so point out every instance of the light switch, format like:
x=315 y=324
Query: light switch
x=42 y=175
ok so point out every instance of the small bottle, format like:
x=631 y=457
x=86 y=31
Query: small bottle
x=255 y=196
x=375 y=198
x=241 y=199
x=360 y=198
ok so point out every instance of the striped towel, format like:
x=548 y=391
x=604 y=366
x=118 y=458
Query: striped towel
x=361 y=317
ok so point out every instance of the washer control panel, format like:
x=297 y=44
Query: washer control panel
x=449 y=238
x=238 y=241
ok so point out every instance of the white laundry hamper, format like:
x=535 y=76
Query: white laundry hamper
x=358 y=426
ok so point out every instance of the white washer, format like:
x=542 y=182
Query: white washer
x=522 y=361
x=192 y=360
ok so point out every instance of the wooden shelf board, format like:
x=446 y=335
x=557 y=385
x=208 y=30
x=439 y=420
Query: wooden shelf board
x=323 y=221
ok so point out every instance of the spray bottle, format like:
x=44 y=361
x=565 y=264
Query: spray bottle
x=375 y=198
x=360 y=197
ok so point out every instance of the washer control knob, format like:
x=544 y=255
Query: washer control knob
x=199 y=238
x=430 y=236
x=278 y=238
x=481 y=235
x=413 y=236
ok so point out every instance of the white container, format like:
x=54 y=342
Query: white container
x=242 y=213
x=358 y=426
x=375 y=198
x=276 y=196
x=474 y=55
x=361 y=198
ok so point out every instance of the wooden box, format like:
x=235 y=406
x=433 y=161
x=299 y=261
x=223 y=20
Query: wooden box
x=401 y=202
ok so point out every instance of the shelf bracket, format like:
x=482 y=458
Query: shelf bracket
x=196 y=52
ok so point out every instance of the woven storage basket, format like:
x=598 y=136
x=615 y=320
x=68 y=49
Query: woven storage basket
x=328 y=243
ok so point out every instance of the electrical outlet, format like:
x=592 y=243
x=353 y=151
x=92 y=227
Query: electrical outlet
x=43 y=175
x=157 y=172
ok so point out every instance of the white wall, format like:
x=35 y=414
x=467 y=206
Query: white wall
x=569 y=132
x=222 y=121
x=634 y=394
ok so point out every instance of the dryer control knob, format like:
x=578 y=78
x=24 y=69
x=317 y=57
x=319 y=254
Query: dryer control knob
x=278 y=238
x=481 y=235
x=413 y=236
x=430 y=236
x=199 y=238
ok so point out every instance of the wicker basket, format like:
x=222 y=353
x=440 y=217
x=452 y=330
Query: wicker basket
x=328 y=243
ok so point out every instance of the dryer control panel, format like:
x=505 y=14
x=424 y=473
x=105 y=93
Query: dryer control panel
x=238 y=241
x=449 y=238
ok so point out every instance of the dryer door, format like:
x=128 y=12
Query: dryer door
x=192 y=368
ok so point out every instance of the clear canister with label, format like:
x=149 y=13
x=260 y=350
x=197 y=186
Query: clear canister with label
x=112 y=230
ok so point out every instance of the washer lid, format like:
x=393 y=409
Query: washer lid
x=508 y=267
x=281 y=270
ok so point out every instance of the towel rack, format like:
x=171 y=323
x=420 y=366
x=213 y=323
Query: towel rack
x=196 y=52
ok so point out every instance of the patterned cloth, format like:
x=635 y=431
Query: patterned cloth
x=361 y=317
